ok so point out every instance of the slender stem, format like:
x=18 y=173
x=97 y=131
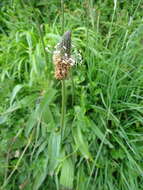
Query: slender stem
x=63 y=19
x=41 y=36
x=72 y=87
x=63 y=108
x=42 y=41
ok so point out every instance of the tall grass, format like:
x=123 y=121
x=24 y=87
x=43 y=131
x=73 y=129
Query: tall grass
x=102 y=144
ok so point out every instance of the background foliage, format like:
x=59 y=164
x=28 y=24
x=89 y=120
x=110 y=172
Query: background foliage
x=102 y=146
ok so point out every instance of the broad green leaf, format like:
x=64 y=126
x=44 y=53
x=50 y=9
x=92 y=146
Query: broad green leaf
x=47 y=99
x=41 y=173
x=11 y=109
x=67 y=174
x=54 y=151
x=81 y=178
x=41 y=148
x=42 y=3
x=34 y=64
x=16 y=89
x=29 y=40
x=81 y=143
x=42 y=108
x=3 y=119
x=32 y=121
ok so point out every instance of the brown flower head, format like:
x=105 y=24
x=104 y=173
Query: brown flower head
x=62 y=57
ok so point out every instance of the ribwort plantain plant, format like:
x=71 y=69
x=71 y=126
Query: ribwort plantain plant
x=63 y=62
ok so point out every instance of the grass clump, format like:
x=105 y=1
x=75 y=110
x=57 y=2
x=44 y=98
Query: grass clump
x=102 y=143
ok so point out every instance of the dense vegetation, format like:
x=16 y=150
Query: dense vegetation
x=103 y=140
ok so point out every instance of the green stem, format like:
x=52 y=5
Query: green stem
x=41 y=36
x=42 y=41
x=63 y=82
x=63 y=19
x=63 y=108
x=72 y=87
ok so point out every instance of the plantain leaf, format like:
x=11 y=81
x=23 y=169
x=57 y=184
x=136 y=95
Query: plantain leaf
x=40 y=172
x=67 y=174
x=16 y=89
x=3 y=119
x=81 y=143
x=41 y=111
x=54 y=151
x=81 y=178
x=31 y=122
